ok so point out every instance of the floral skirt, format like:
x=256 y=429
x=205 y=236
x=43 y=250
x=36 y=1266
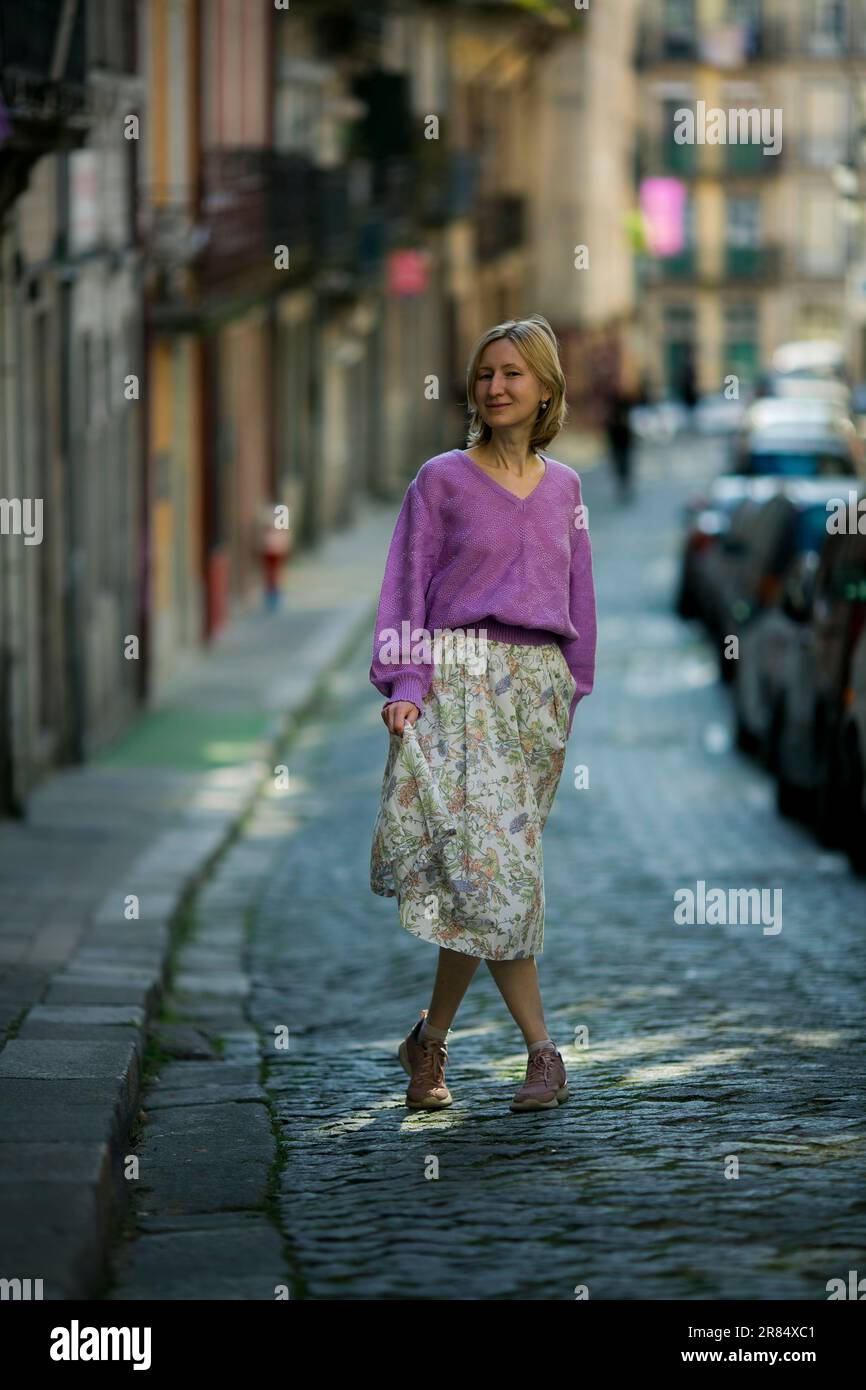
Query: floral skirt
x=465 y=798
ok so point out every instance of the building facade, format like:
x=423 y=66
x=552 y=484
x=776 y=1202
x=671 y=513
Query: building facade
x=244 y=253
x=70 y=314
x=765 y=249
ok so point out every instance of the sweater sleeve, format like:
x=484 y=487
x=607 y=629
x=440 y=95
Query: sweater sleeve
x=579 y=653
x=402 y=665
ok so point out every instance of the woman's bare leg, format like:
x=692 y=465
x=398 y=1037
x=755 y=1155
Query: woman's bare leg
x=517 y=981
x=453 y=974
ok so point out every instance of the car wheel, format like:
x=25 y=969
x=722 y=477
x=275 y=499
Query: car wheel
x=853 y=813
x=827 y=818
x=772 y=741
x=743 y=736
x=727 y=665
x=686 y=605
x=790 y=799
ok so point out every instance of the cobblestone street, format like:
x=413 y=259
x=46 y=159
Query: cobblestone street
x=263 y=1165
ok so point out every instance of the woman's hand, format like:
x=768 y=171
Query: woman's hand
x=397 y=714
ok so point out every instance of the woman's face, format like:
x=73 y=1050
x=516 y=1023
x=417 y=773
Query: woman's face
x=506 y=391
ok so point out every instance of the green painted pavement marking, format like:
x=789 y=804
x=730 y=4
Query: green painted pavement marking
x=186 y=738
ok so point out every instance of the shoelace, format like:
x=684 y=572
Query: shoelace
x=542 y=1061
x=431 y=1063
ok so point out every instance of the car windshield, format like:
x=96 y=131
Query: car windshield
x=794 y=464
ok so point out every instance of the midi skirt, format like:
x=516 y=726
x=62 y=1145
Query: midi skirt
x=465 y=797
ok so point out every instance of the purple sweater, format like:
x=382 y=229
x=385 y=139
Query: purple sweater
x=467 y=553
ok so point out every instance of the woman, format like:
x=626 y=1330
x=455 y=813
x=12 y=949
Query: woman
x=492 y=544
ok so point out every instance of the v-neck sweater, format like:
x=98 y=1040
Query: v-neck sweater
x=467 y=553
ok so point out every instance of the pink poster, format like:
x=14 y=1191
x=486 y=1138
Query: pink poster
x=662 y=203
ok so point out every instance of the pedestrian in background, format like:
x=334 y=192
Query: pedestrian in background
x=687 y=383
x=495 y=543
x=620 y=438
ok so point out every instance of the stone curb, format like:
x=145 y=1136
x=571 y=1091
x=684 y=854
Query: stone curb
x=76 y=1061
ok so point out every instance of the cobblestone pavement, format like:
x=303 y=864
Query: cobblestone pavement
x=706 y=1043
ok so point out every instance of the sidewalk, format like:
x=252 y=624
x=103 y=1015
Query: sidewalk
x=78 y=979
x=81 y=973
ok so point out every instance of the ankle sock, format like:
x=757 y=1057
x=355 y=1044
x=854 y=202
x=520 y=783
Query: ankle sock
x=427 y=1033
x=537 y=1046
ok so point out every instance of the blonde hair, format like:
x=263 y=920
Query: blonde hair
x=537 y=343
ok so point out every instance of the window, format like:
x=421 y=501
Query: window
x=825 y=123
x=741 y=318
x=742 y=341
x=678 y=20
x=743 y=220
x=826 y=33
x=679 y=338
x=744 y=11
x=821 y=246
x=679 y=319
x=676 y=158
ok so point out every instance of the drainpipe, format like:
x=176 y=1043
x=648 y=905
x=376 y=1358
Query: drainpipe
x=10 y=799
x=69 y=452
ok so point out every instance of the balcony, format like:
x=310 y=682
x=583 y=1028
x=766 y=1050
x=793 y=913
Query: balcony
x=743 y=266
x=721 y=46
x=233 y=210
x=253 y=199
x=29 y=41
x=334 y=229
x=659 y=44
x=392 y=194
x=249 y=201
x=42 y=84
x=748 y=159
x=727 y=47
x=290 y=215
x=499 y=220
x=755 y=264
x=681 y=267
x=708 y=161
x=682 y=160
x=447 y=183
x=789 y=38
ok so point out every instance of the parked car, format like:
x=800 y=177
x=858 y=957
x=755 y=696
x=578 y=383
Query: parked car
x=807 y=721
x=787 y=438
x=781 y=386
x=799 y=448
x=852 y=759
x=810 y=357
x=706 y=520
x=721 y=609
x=793 y=410
x=718 y=415
x=768 y=594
